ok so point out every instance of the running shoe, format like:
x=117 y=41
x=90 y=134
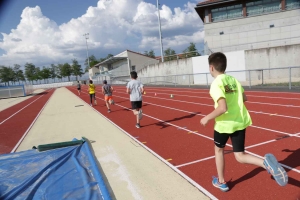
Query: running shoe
x=222 y=186
x=137 y=126
x=275 y=169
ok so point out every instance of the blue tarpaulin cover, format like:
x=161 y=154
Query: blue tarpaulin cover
x=63 y=173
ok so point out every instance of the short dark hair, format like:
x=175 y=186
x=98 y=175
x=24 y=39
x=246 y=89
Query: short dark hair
x=104 y=82
x=91 y=81
x=218 y=60
x=133 y=74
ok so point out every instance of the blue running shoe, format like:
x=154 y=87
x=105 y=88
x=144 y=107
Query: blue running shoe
x=222 y=186
x=275 y=169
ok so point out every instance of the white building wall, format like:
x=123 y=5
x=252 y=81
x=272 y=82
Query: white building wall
x=139 y=61
x=235 y=62
x=254 y=32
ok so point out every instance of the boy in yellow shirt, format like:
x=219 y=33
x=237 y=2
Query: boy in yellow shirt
x=92 y=92
x=231 y=120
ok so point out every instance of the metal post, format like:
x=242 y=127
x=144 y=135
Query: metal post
x=206 y=80
x=189 y=81
x=262 y=77
x=87 y=49
x=161 y=45
x=290 y=78
x=175 y=80
x=249 y=79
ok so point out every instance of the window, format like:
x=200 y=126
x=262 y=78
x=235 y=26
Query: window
x=262 y=6
x=133 y=68
x=228 y=12
x=292 y=4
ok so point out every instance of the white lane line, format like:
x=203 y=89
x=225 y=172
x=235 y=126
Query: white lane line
x=298 y=171
x=21 y=109
x=263 y=113
x=28 y=129
x=196 y=161
x=248 y=147
x=291 y=98
x=267 y=129
x=199 y=187
x=273 y=104
x=258 y=127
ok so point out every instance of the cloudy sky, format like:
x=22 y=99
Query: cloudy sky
x=45 y=32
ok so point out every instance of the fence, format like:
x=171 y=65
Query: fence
x=274 y=77
x=15 y=91
x=53 y=85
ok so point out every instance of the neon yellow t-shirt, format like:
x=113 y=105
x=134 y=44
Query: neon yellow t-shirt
x=91 y=88
x=237 y=116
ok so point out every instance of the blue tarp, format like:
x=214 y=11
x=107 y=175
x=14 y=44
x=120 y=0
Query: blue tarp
x=63 y=173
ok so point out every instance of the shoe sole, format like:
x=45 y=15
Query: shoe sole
x=280 y=174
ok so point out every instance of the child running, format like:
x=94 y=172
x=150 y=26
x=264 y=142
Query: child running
x=78 y=87
x=107 y=91
x=135 y=88
x=92 y=92
x=231 y=120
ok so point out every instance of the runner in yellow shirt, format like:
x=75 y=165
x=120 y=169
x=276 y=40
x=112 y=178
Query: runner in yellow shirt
x=92 y=92
x=231 y=120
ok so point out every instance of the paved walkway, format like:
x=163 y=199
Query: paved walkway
x=131 y=171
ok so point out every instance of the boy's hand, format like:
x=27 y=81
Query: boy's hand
x=204 y=120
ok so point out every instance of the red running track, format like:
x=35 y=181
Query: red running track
x=165 y=129
x=15 y=121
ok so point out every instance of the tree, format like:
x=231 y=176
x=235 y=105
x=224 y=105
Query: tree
x=191 y=51
x=18 y=73
x=38 y=74
x=66 y=70
x=53 y=70
x=76 y=69
x=168 y=54
x=93 y=61
x=30 y=71
x=45 y=73
x=150 y=53
x=6 y=74
x=59 y=69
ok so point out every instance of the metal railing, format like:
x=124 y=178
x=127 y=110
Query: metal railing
x=288 y=78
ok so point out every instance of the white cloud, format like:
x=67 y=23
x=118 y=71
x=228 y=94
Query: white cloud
x=113 y=26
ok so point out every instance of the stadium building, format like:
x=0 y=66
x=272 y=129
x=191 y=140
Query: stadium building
x=244 y=24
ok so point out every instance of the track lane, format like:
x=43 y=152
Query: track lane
x=15 y=127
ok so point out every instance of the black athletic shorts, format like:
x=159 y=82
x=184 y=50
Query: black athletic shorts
x=78 y=88
x=237 y=140
x=136 y=104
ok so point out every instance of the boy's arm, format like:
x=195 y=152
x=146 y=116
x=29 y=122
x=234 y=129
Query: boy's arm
x=103 y=91
x=244 y=97
x=221 y=109
x=128 y=91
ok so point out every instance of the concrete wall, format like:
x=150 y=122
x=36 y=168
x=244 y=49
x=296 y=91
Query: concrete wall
x=254 y=32
x=139 y=60
x=235 y=62
x=170 y=69
x=93 y=71
x=271 y=58
x=120 y=68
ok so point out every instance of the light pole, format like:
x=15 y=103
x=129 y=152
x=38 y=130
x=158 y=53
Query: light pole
x=161 y=45
x=87 y=49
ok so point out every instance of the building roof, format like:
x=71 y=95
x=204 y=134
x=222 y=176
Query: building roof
x=212 y=2
x=110 y=61
x=139 y=54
